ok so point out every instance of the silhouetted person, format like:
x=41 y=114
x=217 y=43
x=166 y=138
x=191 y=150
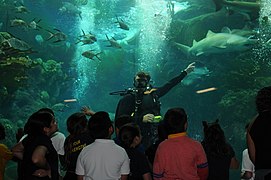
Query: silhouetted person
x=259 y=136
x=220 y=154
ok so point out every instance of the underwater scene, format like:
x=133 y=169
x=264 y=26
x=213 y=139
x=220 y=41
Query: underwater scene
x=65 y=54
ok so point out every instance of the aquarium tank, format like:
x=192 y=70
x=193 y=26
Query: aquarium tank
x=65 y=54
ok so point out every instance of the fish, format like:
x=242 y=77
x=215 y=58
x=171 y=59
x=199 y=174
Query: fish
x=59 y=107
x=199 y=72
x=35 y=24
x=122 y=25
x=1 y=25
x=113 y=42
x=21 y=9
x=18 y=22
x=85 y=41
x=70 y=9
x=86 y=38
x=252 y=8
x=218 y=43
x=245 y=32
x=59 y=36
x=90 y=54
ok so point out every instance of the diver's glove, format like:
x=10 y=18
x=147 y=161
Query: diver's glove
x=148 y=118
x=190 y=68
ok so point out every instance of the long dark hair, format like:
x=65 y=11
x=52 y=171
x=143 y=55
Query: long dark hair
x=214 y=141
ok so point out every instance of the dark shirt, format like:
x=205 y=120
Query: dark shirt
x=73 y=145
x=28 y=167
x=219 y=165
x=151 y=150
x=139 y=164
x=260 y=133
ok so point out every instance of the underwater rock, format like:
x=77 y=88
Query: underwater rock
x=44 y=96
x=191 y=12
x=10 y=129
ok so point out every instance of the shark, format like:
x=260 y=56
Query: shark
x=251 y=8
x=218 y=43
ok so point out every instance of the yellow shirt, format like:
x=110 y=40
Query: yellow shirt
x=5 y=155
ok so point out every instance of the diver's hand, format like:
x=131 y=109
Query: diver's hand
x=190 y=68
x=87 y=111
x=148 y=118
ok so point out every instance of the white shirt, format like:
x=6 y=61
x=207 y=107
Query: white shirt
x=103 y=159
x=247 y=165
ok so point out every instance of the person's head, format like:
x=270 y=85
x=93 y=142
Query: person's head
x=214 y=138
x=212 y=131
x=46 y=110
x=130 y=135
x=121 y=121
x=141 y=80
x=263 y=99
x=100 y=125
x=41 y=123
x=77 y=123
x=175 y=121
x=2 y=132
x=42 y=110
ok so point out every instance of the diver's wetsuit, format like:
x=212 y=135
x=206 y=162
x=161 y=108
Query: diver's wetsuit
x=149 y=105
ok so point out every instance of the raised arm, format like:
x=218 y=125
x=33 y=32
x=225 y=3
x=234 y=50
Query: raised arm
x=173 y=82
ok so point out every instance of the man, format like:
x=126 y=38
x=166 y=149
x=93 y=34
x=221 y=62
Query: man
x=143 y=103
x=103 y=159
x=179 y=157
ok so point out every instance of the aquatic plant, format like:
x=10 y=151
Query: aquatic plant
x=10 y=129
x=14 y=71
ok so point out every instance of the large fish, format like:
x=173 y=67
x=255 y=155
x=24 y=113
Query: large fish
x=70 y=9
x=217 y=43
x=197 y=74
x=252 y=8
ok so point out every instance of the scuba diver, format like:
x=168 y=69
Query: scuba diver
x=142 y=103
